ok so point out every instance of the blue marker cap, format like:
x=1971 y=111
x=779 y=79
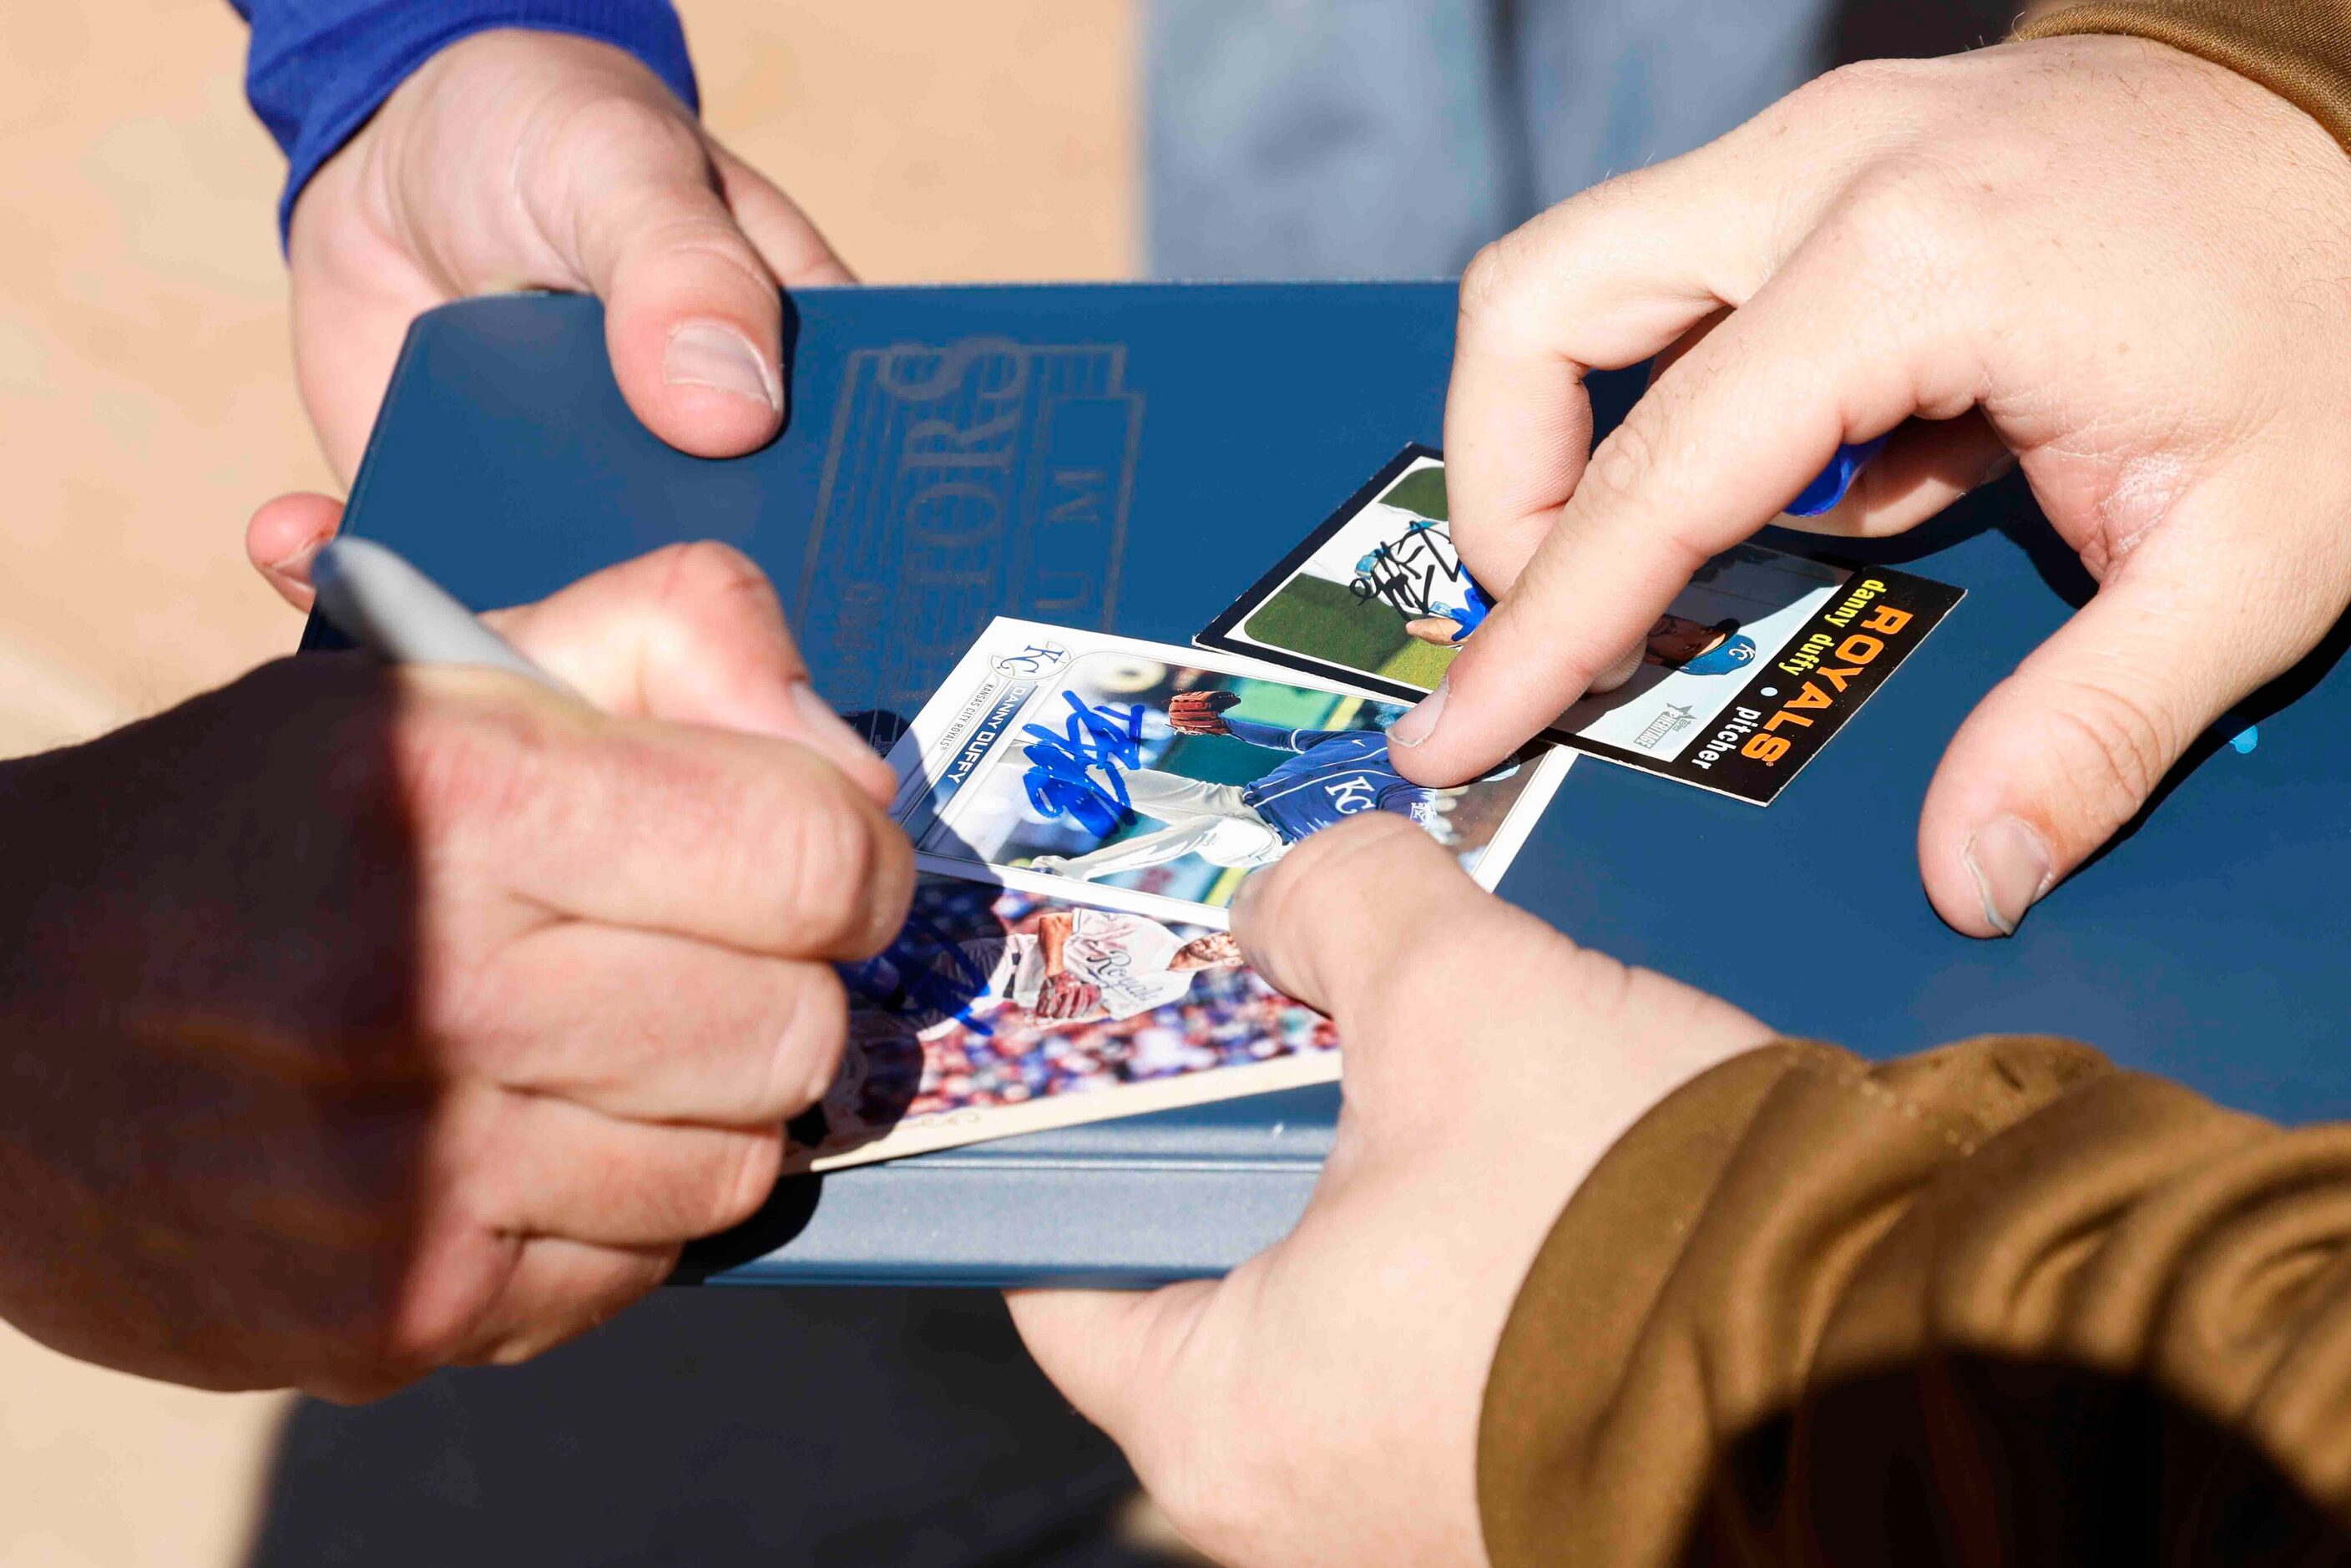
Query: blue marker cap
x=1836 y=479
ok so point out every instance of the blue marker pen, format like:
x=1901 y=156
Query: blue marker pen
x=1836 y=481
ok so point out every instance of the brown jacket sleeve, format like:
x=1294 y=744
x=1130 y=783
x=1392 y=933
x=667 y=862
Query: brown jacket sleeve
x=2299 y=49
x=2000 y=1302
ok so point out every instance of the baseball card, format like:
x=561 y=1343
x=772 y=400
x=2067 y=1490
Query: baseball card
x=1752 y=669
x=1151 y=779
x=998 y=1011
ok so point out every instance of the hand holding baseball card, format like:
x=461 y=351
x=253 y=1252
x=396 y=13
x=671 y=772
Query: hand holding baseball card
x=1749 y=673
x=1085 y=808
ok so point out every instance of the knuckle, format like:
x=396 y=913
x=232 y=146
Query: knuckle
x=1508 y=279
x=1486 y=282
x=705 y=586
x=1912 y=228
x=1621 y=465
x=1848 y=88
x=699 y=569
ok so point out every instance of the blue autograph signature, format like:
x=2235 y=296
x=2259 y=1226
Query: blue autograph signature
x=1061 y=780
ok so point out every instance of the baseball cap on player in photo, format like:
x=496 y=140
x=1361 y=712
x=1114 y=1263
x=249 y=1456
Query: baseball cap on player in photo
x=1474 y=607
x=1735 y=652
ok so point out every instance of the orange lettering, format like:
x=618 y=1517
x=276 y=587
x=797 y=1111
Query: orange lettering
x=1837 y=678
x=1845 y=649
x=1765 y=748
x=1886 y=619
x=1785 y=716
x=1812 y=697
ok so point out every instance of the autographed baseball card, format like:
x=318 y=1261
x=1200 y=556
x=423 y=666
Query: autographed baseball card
x=998 y=1012
x=1153 y=778
x=1744 y=678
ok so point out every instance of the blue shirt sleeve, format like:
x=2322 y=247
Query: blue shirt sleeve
x=1274 y=737
x=318 y=68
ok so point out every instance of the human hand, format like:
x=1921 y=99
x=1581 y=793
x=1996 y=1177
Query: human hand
x=1320 y=1404
x=534 y=160
x=356 y=1021
x=2122 y=263
x=1064 y=996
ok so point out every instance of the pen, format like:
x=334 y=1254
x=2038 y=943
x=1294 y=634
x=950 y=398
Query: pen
x=374 y=597
x=1830 y=486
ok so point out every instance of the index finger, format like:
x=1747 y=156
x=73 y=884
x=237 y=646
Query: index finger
x=693 y=634
x=1616 y=275
x=726 y=838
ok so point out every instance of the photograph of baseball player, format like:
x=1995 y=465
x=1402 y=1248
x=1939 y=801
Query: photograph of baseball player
x=998 y=1011
x=1158 y=780
x=1378 y=589
x=1741 y=611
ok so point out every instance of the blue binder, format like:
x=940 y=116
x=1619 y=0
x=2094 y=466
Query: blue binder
x=1133 y=458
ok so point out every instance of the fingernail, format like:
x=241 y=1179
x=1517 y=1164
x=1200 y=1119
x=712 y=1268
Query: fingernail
x=295 y=562
x=703 y=354
x=1421 y=723
x=2011 y=867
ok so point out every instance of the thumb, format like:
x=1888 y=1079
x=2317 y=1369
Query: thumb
x=1374 y=923
x=1109 y=1352
x=1345 y=914
x=695 y=634
x=693 y=319
x=2066 y=750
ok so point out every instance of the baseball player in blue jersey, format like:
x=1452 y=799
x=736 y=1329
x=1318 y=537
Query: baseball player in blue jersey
x=1329 y=775
x=1675 y=642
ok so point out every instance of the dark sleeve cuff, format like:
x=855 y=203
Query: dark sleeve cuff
x=2299 y=49
x=318 y=68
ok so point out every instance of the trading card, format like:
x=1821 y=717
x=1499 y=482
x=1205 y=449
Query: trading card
x=999 y=1011
x=1745 y=677
x=1158 y=778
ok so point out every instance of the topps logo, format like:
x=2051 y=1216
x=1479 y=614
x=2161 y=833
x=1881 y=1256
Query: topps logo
x=1670 y=720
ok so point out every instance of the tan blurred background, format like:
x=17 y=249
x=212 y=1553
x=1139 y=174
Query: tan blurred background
x=146 y=406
